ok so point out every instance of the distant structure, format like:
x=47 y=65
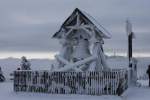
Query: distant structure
x=82 y=42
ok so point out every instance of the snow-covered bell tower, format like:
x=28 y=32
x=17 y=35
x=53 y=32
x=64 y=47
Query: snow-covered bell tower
x=81 y=38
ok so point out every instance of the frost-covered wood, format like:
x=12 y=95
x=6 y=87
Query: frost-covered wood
x=112 y=82
x=25 y=64
x=77 y=34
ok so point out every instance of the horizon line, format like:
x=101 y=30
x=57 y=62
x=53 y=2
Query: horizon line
x=51 y=55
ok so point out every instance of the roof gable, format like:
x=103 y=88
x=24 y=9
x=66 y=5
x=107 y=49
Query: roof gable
x=80 y=18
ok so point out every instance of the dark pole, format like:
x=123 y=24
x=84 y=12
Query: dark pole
x=130 y=48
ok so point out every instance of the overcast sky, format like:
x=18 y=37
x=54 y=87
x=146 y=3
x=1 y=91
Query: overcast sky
x=27 y=25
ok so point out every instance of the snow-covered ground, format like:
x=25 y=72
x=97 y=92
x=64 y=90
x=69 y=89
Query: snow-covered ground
x=10 y=64
x=122 y=62
x=7 y=93
x=136 y=93
x=133 y=93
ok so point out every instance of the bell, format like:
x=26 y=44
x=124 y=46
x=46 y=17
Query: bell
x=81 y=50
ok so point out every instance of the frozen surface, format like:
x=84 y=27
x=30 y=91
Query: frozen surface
x=10 y=64
x=137 y=93
x=133 y=93
x=122 y=62
x=143 y=83
x=6 y=93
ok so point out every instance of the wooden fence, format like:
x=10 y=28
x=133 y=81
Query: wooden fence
x=113 y=82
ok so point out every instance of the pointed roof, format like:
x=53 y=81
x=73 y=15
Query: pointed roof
x=81 y=18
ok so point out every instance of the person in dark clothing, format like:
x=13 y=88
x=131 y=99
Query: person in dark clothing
x=148 y=72
x=2 y=78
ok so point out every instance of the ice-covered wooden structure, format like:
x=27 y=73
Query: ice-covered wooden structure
x=82 y=41
x=81 y=66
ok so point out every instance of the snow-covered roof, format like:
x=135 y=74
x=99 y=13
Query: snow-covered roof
x=88 y=19
x=105 y=34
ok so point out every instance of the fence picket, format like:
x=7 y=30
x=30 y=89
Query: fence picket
x=93 y=83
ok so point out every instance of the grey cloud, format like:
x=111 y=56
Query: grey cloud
x=27 y=25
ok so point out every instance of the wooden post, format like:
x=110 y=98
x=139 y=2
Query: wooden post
x=130 y=49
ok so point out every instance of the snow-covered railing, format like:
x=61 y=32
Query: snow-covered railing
x=113 y=82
